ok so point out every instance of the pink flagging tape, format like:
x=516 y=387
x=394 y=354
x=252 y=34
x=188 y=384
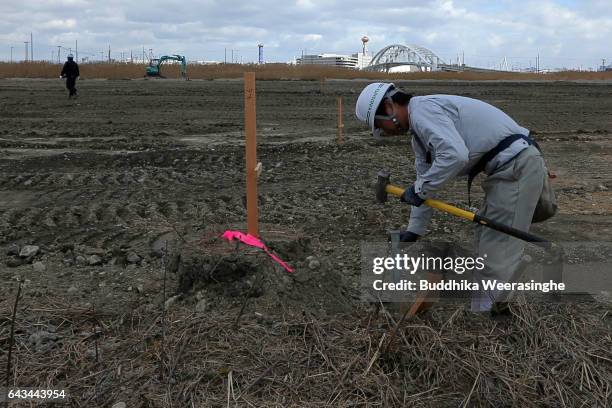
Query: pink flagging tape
x=255 y=242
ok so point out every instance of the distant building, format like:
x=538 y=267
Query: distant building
x=353 y=61
x=404 y=69
x=363 y=59
x=205 y=62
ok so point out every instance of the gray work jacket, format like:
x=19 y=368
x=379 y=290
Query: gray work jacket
x=449 y=135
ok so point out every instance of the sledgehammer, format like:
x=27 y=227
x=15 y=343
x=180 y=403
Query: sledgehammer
x=383 y=188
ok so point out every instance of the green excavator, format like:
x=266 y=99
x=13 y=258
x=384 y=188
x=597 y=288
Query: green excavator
x=154 y=68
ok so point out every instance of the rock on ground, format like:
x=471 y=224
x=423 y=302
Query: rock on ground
x=94 y=260
x=133 y=257
x=28 y=251
x=39 y=267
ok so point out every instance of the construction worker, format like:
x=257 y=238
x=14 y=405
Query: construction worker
x=70 y=71
x=457 y=136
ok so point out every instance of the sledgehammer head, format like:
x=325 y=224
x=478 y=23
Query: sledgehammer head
x=381 y=184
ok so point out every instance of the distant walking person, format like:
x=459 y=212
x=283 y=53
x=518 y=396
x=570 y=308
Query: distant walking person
x=70 y=71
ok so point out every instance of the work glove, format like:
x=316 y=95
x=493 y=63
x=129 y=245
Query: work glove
x=411 y=197
x=61 y=77
x=408 y=236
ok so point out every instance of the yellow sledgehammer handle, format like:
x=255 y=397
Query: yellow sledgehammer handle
x=478 y=219
x=438 y=205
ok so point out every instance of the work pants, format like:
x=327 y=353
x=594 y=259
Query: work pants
x=511 y=195
x=70 y=84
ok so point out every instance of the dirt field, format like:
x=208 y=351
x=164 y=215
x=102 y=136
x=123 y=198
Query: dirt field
x=134 y=181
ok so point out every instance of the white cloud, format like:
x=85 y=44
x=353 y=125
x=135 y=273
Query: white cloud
x=312 y=37
x=562 y=32
x=59 y=24
x=307 y=4
x=495 y=41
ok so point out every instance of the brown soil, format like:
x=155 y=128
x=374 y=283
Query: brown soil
x=145 y=175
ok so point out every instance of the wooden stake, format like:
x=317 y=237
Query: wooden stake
x=251 y=154
x=340 y=122
x=424 y=300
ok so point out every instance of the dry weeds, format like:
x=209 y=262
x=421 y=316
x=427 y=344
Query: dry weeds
x=273 y=71
x=546 y=356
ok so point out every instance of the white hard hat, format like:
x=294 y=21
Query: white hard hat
x=368 y=102
x=70 y=56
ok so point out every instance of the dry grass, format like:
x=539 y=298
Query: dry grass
x=546 y=356
x=274 y=71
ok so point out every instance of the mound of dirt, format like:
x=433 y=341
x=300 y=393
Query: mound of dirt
x=225 y=273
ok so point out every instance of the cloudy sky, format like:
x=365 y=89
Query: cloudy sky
x=570 y=33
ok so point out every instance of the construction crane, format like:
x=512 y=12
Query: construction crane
x=154 y=68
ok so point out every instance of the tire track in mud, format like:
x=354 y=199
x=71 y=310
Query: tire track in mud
x=84 y=207
x=73 y=222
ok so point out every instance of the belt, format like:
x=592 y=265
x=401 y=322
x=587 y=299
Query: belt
x=488 y=156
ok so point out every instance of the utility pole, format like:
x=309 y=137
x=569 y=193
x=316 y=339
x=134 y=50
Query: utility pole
x=26 y=50
x=31 y=47
x=131 y=57
x=76 y=50
x=11 y=53
x=58 y=53
x=225 y=56
x=232 y=55
x=109 y=53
